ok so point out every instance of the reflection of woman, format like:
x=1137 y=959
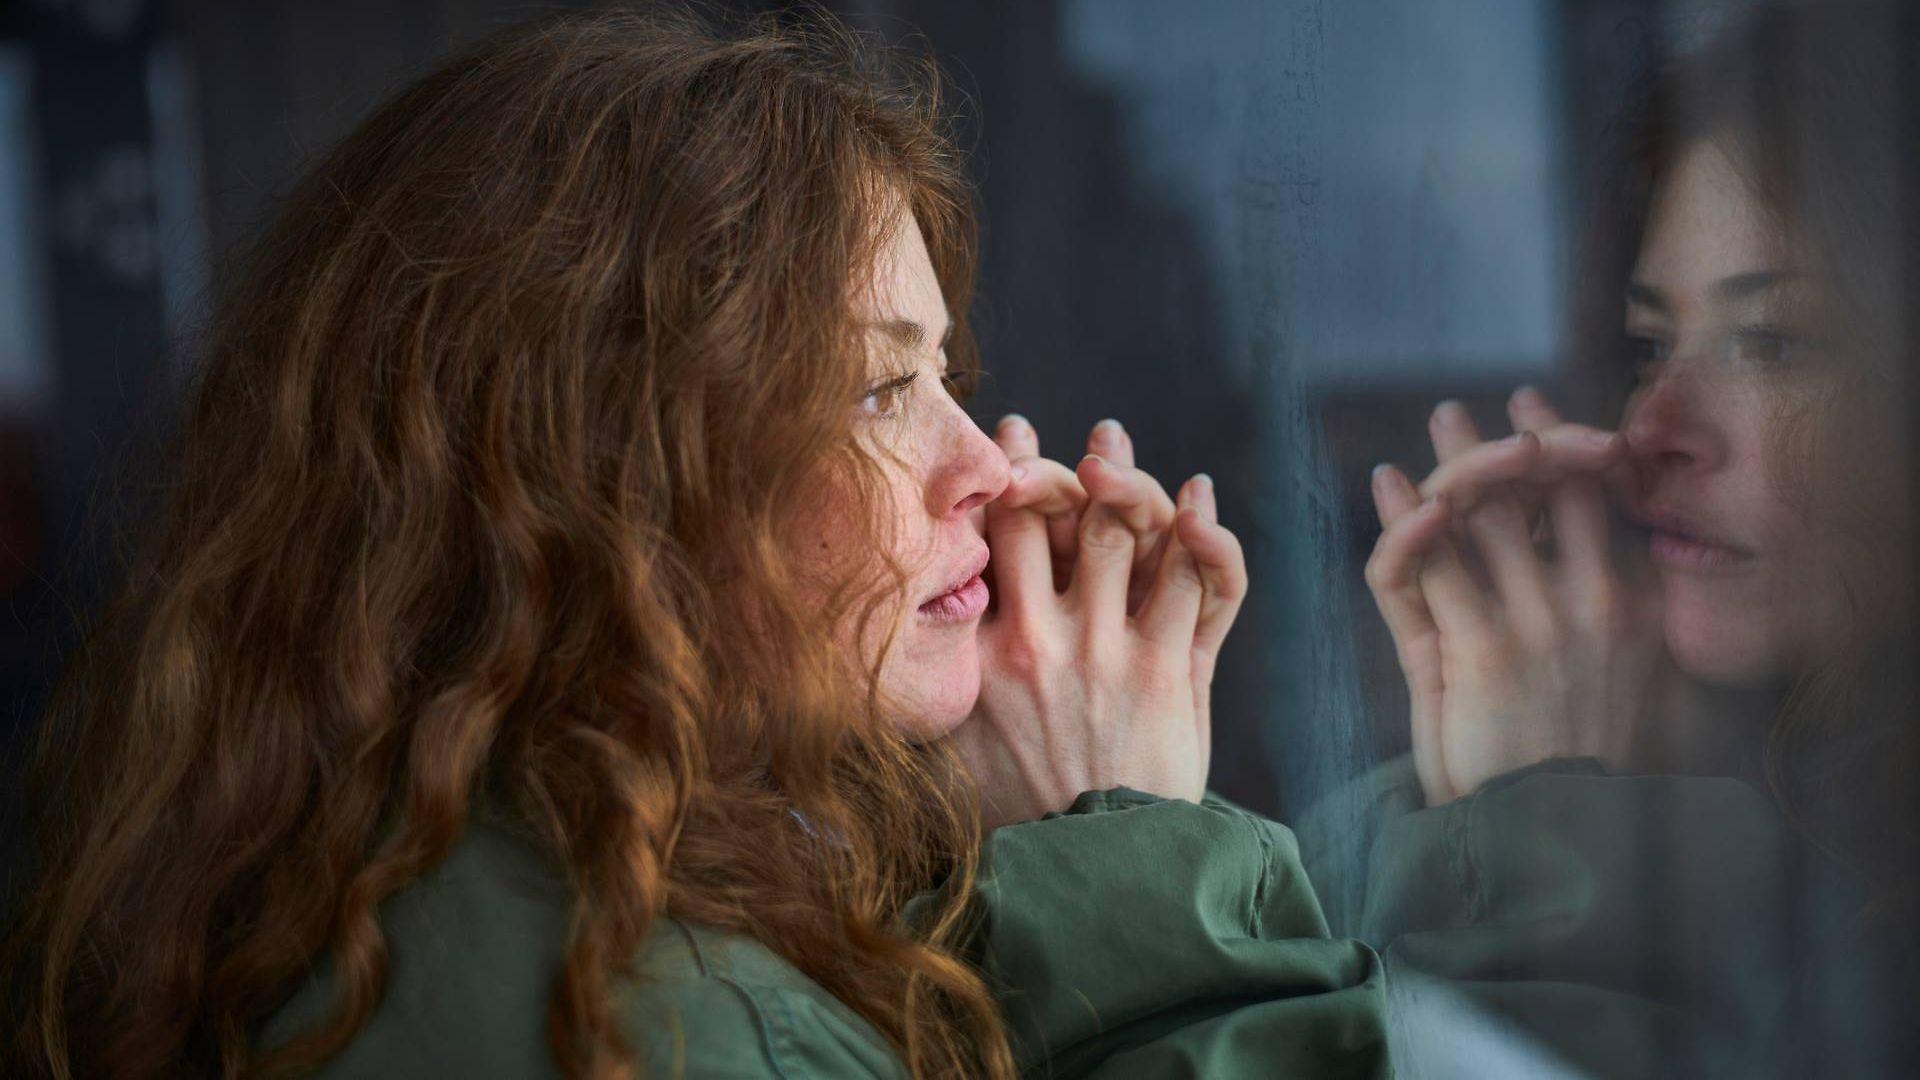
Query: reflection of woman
x=547 y=652
x=1758 y=628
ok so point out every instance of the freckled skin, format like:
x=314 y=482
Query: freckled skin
x=940 y=469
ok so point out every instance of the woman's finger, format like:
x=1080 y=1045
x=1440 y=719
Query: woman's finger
x=1577 y=509
x=1471 y=470
x=1043 y=486
x=1171 y=611
x=1529 y=410
x=1498 y=526
x=1016 y=437
x=1122 y=506
x=1223 y=574
x=1111 y=440
x=1459 y=606
x=1458 y=446
x=1454 y=598
x=1562 y=450
x=1021 y=566
x=1568 y=450
x=1016 y=522
x=1503 y=538
x=1453 y=431
x=1063 y=539
x=1411 y=530
x=1454 y=435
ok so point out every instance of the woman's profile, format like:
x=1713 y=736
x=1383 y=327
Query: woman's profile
x=583 y=633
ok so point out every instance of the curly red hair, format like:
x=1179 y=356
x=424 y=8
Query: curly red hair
x=521 y=388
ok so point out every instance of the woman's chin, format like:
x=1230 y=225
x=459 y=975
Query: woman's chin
x=936 y=693
x=1728 y=648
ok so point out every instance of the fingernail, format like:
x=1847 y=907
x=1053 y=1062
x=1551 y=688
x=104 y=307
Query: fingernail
x=1388 y=478
x=1095 y=458
x=1448 y=411
x=1205 y=480
x=1109 y=426
x=1017 y=473
x=1015 y=419
x=1526 y=395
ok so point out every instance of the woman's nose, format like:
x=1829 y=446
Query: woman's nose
x=970 y=469
x=1666 y=426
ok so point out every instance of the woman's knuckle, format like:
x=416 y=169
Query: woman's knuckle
x=1381 y=567
x=1028 y=650
x=1107 y=533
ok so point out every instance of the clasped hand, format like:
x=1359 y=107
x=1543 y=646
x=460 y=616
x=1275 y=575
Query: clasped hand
x=1110 y=602
x=1522 y=633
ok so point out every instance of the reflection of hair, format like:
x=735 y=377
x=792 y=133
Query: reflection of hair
x=504 y=420
x=1818 y=103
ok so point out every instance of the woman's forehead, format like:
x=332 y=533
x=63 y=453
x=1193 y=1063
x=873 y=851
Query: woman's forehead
x=905 y=287
x=1707 y=224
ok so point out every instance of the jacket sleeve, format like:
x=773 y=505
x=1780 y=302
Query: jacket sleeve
x=1624 y=925
x=1137 y=936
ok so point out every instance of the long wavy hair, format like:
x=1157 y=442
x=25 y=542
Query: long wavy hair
x=1820 y=104
x=496 y=433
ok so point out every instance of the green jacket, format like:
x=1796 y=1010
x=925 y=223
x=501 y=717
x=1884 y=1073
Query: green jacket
x=1129 y=936
x=1564 y=921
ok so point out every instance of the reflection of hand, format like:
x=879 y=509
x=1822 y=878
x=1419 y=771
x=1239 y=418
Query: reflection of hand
x=1512 y=656
x=1079 y=693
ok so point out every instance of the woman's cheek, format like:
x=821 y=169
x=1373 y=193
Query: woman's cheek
x=1728 y=633
x=933 y=685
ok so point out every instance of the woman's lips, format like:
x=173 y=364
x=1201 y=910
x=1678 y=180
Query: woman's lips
x=1675 y=542
x=967 y=601
x=1677 y=551
x=968 y=598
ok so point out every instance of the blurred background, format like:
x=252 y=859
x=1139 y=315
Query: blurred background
x=1266 y=234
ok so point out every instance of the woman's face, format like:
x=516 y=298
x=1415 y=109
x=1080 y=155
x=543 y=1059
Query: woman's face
x=941 y=470
x=1763 y=464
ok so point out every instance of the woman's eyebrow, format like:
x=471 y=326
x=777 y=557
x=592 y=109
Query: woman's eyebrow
x=1753 y=282
x=1741 y=286
x=910 y=334
x=1640 y=294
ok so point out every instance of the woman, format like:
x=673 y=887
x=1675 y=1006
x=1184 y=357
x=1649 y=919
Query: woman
x=1595 y=719
x=561 y=640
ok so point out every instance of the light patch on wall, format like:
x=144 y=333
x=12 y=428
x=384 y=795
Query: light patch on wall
x=1426 y=139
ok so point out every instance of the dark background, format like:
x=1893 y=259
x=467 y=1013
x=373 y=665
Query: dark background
x=1199 y=292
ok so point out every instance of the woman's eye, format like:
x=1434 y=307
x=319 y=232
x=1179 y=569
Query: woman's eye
x=1645 y=353
x=885 y=399
x=960 y=384
x=1764 y=346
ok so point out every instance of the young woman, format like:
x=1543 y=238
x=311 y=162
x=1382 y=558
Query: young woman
x=1596 y=718
x=563 y=644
